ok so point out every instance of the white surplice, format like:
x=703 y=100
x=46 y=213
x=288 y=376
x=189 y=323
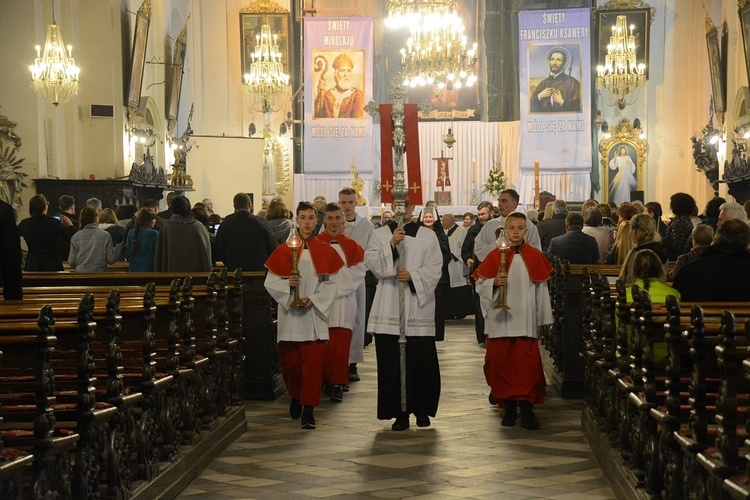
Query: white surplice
x=300 y=325
x=349 y=279
x=360 y=230
x=424 y=260
x=529 y=304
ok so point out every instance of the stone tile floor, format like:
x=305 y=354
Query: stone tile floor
x=464 y=454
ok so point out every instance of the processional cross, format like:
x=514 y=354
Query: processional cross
x=399 y=93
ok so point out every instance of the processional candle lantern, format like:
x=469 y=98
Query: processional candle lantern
x=294 y=242
x=503 y=244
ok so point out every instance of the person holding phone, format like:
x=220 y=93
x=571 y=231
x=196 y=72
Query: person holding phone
x=42 y=234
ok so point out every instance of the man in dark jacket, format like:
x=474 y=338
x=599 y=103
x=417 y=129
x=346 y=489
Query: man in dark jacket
x=484 y=211
x=555 y=226
x=575 y=246
x=244 y=240
x=722 y=272
x=10 y=257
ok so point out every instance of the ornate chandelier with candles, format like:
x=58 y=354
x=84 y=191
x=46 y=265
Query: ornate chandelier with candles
x=54 y=75
x=621 y=75
x=436 y=52
x=267 y=84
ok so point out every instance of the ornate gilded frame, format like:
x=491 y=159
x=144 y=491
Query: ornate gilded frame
x=744 y=13
x=175 y=80
x=138 y=55
x=624 y=134
x=255 y=15
x=715 y=65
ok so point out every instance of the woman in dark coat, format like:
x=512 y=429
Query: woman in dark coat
x=42 y=233
x=681 y=227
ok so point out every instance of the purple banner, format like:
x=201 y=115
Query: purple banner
x=338 y=84
x=555 y=83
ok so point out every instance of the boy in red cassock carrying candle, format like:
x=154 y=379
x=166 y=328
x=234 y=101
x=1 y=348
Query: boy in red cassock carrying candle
x=303 y=329
x=513 y=364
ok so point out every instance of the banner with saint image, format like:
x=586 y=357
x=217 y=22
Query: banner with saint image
x=338 y=85
x=555 y=97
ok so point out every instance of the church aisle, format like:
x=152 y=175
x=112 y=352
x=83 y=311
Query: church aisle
x=464 y=454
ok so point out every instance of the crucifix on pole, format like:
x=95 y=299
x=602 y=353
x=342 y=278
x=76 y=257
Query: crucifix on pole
x=399 y=93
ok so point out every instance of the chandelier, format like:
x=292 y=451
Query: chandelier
x=621 y=75
x=54 y=75
x=410 y=12
x=267 y=84
x=436 y=52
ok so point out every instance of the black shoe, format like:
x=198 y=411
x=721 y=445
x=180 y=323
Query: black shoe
x=491 y=399
x=423 y=420
x=510 y=415
x=528 y=419
x=327 y=389
x=482 y=345
x=345 y=387
x=401 y=423
x=336 y=393
x=353 y=375
x=295 y=409
x=308 y=421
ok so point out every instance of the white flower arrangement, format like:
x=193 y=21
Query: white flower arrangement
x=495 y=182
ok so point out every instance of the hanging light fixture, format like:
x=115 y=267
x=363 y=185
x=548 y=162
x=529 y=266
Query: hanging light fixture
x=436 y=52
x=54 y=75
x=621 y=74
x=267 y=84
x=449 y=139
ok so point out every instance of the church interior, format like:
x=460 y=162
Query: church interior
x=164 y=101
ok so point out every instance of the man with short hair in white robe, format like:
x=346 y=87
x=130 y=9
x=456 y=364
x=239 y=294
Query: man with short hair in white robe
x=359 y=229
x=422 y=262
x=485 y=240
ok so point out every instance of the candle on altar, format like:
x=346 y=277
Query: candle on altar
x=382 y=210
x=473 y=170
x=536 y=170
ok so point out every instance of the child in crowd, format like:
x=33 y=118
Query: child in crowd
x=512 y=363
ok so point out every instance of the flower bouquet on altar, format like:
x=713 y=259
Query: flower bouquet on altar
x=496 y=181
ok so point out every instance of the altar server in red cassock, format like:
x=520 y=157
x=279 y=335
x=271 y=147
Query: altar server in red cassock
x=303 y=332
x=344 y=312
x=512 y=363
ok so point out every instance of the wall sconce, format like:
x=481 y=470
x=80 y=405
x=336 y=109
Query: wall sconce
x=449 y=139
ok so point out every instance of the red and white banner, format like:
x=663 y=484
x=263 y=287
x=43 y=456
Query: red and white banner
x=338 y=84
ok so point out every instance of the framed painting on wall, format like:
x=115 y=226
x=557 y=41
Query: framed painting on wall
x=178 y=68
x=714 y=63
x=138 y=55
x=745 y=23
x=250 y=27
x=623 y=159
x=639 y=21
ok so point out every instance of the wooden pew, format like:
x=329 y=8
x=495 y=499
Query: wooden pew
x=27 y=387
x=141 y=361
x=259 y=355
x=658 y=424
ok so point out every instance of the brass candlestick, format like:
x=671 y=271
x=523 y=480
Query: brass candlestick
x=503 y=244
x=294 y=242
